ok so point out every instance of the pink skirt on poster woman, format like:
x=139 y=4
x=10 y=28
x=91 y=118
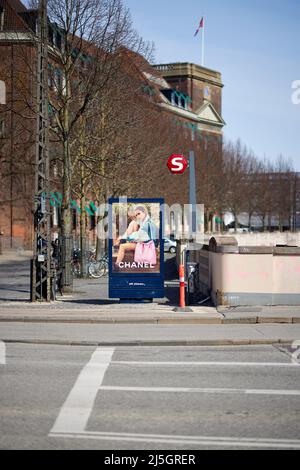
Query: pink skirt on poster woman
x=145 y=253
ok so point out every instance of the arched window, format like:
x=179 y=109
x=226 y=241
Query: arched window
x=2 y=92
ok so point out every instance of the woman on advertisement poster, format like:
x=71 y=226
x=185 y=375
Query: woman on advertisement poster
x=137 y=247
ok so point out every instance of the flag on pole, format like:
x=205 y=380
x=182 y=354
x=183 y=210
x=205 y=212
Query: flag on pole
x=201 y=25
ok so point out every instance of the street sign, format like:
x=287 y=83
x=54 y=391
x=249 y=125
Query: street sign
x=43 y=203
x=177 y=164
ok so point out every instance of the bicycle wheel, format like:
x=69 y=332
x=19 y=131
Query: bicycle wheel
x=97 y=269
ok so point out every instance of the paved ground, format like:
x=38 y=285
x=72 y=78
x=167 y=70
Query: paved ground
x=14 y=278
x=88 y=293
x=57 y=397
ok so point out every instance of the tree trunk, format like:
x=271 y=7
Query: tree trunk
x=235 y=222
x=67 y=223
x=67 y=248
x=83 y=264
x=101 y=244
x=267 y=222
x=83 y=269
x=249 y=222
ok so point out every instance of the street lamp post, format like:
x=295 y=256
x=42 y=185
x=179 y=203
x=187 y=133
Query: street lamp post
x=193 y=193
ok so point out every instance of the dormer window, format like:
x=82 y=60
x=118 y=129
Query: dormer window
x=58 y=40
x=50 y=35
x=55 y=36
x=177 y=98
x=173 y=100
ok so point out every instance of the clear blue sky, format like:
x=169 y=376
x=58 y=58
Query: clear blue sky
x=255 y=44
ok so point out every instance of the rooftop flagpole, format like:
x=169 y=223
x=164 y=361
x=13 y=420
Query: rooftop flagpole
x=201 y=26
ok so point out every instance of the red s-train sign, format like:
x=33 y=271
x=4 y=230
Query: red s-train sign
x=177 y=164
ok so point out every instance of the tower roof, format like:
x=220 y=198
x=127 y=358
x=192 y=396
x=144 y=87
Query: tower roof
x=185 y=69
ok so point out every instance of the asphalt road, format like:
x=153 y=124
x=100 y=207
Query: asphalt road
x=62 y=397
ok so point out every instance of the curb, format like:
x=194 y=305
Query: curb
x=162 y=343
x=151 y=321
x=116 y=321
x=259 y=320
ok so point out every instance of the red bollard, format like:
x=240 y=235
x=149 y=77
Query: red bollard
x=182 y=286
x=182 y=308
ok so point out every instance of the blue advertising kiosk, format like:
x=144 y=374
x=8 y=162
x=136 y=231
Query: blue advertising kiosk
x=136 y=249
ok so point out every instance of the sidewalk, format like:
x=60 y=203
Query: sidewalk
x=90 y=304
x=80 y=308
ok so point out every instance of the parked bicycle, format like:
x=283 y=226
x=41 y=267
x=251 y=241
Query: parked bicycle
x=98 y=268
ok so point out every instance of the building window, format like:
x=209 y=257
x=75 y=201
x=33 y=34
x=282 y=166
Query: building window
x=2 y=11
x=51 y=114
x=2 y=92
x=178 y=98
x=2 y=129
x=50 y=76
x=58 y=80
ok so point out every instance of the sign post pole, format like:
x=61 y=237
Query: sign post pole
x=178 y=164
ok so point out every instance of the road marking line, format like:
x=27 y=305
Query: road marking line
x=192 y=440
x=75 y=412
x=2 y=353
x=204 y=364
x=201 y=390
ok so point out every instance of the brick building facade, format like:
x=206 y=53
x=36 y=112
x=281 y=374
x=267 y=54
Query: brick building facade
x=16 y=127
x=191 y=95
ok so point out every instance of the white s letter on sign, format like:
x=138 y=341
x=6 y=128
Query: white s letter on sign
x=177 y=164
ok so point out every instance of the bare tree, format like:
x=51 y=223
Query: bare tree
x=282 y=191
x=235 y=174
